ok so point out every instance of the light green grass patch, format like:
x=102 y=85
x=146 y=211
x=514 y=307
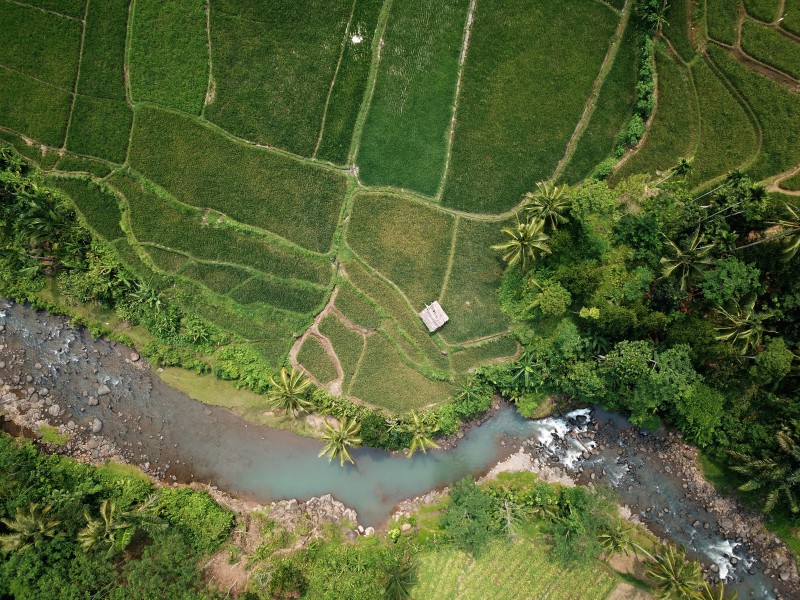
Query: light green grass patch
x=612 y=113
x=791 y=183
x=83 y=164
x=32 y=108
x=100 y=127
x=404 y=142
x=727 y=137
x=273 y=68
x=674 y=129
x=153 y=219
x=347 y=343
x=170 y=262
x=72 y=8
x=384 y=380
x=470 y=298
x=770 y=47
x=721 y=18
x=103 y=58
x=44 y=156
x=99 y=207
x=676 y=27
x=39 y=44
x=297 y=201
x=777 y=110
x=169 y=53
x=294 y=297
x=50 y=435
x=529 y=69
x=476 y=356
x=314 y=358
x=356 y=308
x=218 y=278
x=351 y=83
x=409 y=243
x=791 y=16
x=764 y=10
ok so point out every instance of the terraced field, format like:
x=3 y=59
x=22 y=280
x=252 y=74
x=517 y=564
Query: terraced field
x=308 y=176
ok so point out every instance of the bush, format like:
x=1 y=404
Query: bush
x=467 y=518
x=205 y=522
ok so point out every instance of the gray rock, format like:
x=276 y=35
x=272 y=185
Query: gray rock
x=97 y=425
x=2 y=364
x=369 y=531
x=54 y=410
x=406 y=527
x=71 y=425
x=134 y=357
x=92 y=443
x=103 y=390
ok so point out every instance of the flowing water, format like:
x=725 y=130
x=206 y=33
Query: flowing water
x=155 y=425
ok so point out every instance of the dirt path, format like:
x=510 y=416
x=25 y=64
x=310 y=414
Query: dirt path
x=774 y=183
x=591 y=101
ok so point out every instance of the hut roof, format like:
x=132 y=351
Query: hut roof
x=433 y=316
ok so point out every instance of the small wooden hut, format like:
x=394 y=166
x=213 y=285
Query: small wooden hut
x=433 y=316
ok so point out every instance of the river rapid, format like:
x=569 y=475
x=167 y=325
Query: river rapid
x=113 y=406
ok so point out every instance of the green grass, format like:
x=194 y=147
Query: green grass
x=351 y=83
x=100 y=208
x=404 y=142
x=273 y=68
x=407 y=242
x=356 y=308
x=297 y=201
x=384 y=380
x=103 y=58
x=218 y=278
x=727 y=137
x=764 y=10
x=770 y=47
x=32 y=108
x=475 y=356
x=470 y=299
x=300 y=299
x=530 y=67
x=676 y=27
x=129 y=257
x=100 y=127
x=43 y=156
x=50 y=435
x=171 y=262
x=153 y=219
x=169 y=53
x=508 y=570
x=347 y=343
x=39 y=44
x=612 y=113
x=777 y=110
x=791 y=16
x=83 y=164
x=721 y=17
x=314 y=358
x=72 y=8
x=791 y=183
x=674 y=129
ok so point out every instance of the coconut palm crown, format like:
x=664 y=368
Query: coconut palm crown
x=289 y=391
x=338 y=439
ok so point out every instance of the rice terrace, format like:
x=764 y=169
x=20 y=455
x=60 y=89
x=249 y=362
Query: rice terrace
x=330 y=191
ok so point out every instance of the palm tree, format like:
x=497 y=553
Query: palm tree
x=792 y=232
x=715 y=593
x=777 y=476
x=420 y=435
x=689 y=262
x=338 y=439
x=744 y=327
x=548 y=203
x=682 y=169
x=115 y=529
x=618 y=539
x=289 y=392
x=28 y=528
x=524 y=243
x=674 y=575
x=400 y=576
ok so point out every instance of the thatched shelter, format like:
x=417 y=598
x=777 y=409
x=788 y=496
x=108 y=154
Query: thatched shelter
x=433 y=316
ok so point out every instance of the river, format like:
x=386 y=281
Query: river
x=59 y=373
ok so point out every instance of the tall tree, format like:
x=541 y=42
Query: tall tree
x=338 y=439
x=687 y=262
x=744 y=326
x=675 y=576
x=549 y=203
x=400 y=576
x=421 y=435
x=28 y=528
x=524 y=243
x=289 y=391
x=115 y=528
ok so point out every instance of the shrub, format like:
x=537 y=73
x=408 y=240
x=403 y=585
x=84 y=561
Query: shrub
x=205 y=523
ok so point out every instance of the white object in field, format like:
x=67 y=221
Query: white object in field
x=433 y=316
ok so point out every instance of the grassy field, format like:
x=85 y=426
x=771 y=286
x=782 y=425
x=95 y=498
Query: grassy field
x=407 y=242
x=169 y=53
x=100 y=127
x=524 y=88
x=449 y=574
x=763 y=10
x=350 y=84
x=83 y=164
x=34 y=109
x=103 y=57
x=770 y=47
x=791 y=183
x=356 y=307
x=314 y=358
x=289 y=198
x=282 y=294
x=99 y=208
x=474 y=356
x=674 y=130
x=721 y=19
x=676 y=28
x=727 y=138
x=614 y=109
x=791 y=16
x=404 y=142
x=347 y=343
x=71 y=8
x=273 y=67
